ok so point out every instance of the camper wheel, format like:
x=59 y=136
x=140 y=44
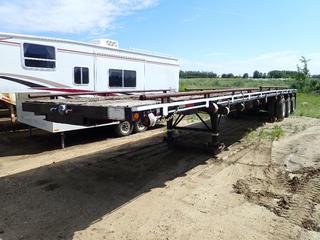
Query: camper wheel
x=123 y=129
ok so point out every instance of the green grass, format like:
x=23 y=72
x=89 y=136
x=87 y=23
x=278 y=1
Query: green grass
x=272 y=134
x=230 y=82
x=308 y=105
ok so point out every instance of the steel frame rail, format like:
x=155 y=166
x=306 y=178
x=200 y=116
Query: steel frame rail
x=170 y=105
x=187 y=105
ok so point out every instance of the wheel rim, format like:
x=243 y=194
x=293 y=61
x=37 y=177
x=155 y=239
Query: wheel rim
x=125 y=127
x=140 y=126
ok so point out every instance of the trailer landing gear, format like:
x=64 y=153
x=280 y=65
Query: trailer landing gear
x=62 y=140
x=213 y=147
x=216 y=146
x=12 y=114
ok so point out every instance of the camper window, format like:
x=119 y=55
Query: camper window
x=81 y=75
x=122 y=78
x=115 y=78
x=130 y=78
x=39 y=56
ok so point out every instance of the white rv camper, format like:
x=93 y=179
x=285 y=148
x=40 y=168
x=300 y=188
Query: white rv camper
x=41 y=64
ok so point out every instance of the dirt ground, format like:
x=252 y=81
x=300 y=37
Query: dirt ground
x=102 y=187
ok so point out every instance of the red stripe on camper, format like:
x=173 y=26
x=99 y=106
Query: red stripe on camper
x=10 y=43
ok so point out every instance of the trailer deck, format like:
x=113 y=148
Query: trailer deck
x=150 y=107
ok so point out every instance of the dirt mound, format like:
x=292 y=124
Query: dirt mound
x=311 y=225
x=292 y=199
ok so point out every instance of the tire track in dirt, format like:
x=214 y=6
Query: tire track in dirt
x=294 y=196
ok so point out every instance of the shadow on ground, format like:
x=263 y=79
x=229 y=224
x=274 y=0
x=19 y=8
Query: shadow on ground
x=41 y=141
x=55 y=201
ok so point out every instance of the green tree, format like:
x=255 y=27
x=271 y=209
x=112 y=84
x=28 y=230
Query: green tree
x=302 y=82
x=227 y=75
x=257 y=74
x=245 y=75
x=304 y=70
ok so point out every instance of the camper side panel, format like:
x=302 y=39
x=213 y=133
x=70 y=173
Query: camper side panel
x=162 y=76
x=17 y=76
x=10 y=62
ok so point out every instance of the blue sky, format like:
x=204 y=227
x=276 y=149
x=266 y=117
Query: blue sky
x=219 y=35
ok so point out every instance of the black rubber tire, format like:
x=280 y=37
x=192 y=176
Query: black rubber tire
x=280 y=109
x=271 y=108
x=288 y=107
x=293 y=104
x=123 y=129
x=234 y=115
x=138 y=127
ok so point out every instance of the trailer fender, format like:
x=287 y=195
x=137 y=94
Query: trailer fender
x=150 y=120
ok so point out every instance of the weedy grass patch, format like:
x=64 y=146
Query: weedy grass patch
x=274 y=133
x=231 y=82
x=308 y=105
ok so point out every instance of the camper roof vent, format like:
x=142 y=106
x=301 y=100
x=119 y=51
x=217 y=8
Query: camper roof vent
x=105 y=43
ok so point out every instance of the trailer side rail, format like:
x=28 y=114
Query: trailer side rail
x=148 y=109
x=184 y=105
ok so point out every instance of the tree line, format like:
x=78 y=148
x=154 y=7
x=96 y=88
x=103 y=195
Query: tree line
x=301 y=79
x=197 y=74
x=276 y=74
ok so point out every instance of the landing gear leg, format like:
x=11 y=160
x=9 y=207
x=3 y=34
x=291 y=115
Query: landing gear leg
x=62 y=138
x=217 y=147
x=170 y=138
x=12 y=114
x=30 y=131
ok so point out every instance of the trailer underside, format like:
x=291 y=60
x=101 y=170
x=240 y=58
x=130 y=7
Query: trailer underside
x=148 y=108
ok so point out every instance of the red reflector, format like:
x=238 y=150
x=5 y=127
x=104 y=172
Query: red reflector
x=189 y=105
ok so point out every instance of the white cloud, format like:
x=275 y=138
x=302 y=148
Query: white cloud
x=283 y=60
x=66 y=16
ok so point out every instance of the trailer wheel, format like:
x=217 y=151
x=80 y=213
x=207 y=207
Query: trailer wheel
x=139 y=127
x=234 y=115
x=293 y=104
x=123 y=129
x=288 y=106
x=271 y=106
x=280 y=109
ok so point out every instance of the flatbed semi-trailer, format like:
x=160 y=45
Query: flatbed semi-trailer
x=148 y=108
